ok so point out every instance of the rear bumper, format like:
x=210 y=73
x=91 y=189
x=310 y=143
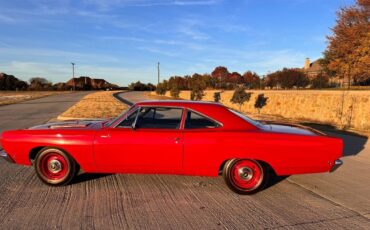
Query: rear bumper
x=336 y=165
x=5 y=156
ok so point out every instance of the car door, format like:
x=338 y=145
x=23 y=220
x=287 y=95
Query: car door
x=203 y=144
x=149 y=140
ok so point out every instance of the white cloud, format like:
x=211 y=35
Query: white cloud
x=159 y=51
x=109 y=4
x=52 y=53
x=6 y=19
x=62 y=73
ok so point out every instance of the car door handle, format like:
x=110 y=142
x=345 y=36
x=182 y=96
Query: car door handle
x=176 y=139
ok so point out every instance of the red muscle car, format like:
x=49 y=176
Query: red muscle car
x=174 y=137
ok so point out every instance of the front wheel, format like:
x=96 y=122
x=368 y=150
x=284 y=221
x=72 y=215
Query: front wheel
x=54 y=167
x=245 y=176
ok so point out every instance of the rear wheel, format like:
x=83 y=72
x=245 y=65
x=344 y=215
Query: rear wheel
x=54 y=167
x=245 y=176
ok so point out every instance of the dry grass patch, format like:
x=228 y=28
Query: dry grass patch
x=95 y=105
x=11 y=97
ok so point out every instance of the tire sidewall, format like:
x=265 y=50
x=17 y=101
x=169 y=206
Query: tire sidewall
x=228 y=180
x=71 y=167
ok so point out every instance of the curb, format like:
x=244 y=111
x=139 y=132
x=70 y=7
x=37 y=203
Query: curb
x=124 y=101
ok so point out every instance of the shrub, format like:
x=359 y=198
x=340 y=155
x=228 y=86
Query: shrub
x=217 y=96
x=196 y=94
x=161 y=89
x=240 y=96
x=175 y=92
x=320 y=81
x=261 y=101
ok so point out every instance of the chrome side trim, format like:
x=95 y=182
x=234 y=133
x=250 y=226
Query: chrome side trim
x=336 y=165
x=5 y=156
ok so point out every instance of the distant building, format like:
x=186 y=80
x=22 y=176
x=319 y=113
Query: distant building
x=312 y=69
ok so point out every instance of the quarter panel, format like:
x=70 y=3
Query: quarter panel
x=204 y=151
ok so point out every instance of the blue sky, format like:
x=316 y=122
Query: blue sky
x=122 y=40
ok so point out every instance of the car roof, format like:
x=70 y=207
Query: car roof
x=177 y=102
x=214 y=110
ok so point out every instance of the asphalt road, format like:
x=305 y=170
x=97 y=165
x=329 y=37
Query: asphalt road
x=332 y=201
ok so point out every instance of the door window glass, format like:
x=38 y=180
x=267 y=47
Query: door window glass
x=129 y=120
x=159 y=118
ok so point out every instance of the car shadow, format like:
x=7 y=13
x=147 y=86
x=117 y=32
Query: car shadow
x=274 y=179
x=353 y=142
x=87 y=177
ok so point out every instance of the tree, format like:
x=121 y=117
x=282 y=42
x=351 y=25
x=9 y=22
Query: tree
x=197 y=86
x=261 y=101
x=39 y=83
x=347 y=55
x=217 y=96
x=221 y=74
x=287 y=79
x=196 y=94
x=138 y=86
x=235 y=78
x=9 y=82
x=175 y=92
x=320 y=81
x=161 y=90
x=240 y=97
x=251 y=80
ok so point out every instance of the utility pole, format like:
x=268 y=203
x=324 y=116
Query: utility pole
x=73 y=76
x=158 y=73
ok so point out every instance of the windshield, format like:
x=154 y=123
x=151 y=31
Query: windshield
x=247 y=119
x=115 y=119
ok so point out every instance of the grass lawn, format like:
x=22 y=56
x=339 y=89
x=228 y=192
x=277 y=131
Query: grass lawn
x=95 y=105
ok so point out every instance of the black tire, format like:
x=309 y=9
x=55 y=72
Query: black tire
x=245 y=176
x=55 y=167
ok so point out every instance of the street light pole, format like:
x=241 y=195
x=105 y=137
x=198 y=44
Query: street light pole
x=158 y=73
x=73 y=76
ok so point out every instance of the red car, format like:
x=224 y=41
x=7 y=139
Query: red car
x=174 y=137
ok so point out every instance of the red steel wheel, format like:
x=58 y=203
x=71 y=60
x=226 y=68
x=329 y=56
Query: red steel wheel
x=244 y=176
x=54 y=167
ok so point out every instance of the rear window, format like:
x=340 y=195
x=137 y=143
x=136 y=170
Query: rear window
x=197 y=121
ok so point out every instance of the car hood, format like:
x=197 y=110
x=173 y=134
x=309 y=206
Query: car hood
x=290 y=129
x=72 y=124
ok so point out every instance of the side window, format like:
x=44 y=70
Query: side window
x=159 y=118
x=128 y=121
x=197 y=121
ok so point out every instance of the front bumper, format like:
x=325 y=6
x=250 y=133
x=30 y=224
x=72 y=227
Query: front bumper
x=336 y=165
x=5 y=156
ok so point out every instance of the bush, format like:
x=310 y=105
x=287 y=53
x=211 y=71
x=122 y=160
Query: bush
x=161 y=89
x=240 y=96
x=196 y=94
x=138 y=86
x=261 y=101
x=175 y=92
x=320 y=81
x=217 y=96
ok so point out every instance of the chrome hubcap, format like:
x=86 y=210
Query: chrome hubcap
x=245 y=173
x=55 y=166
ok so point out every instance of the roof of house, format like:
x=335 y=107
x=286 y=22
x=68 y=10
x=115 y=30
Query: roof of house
x=314 y=67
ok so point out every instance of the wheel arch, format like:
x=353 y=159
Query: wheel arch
x=34 y=151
